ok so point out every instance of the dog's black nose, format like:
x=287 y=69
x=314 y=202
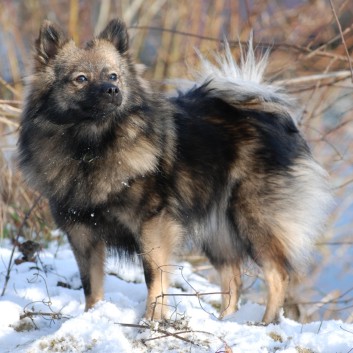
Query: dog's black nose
x=111 y=92
x=110 y=89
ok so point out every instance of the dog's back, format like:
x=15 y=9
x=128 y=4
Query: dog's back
x=252 y=174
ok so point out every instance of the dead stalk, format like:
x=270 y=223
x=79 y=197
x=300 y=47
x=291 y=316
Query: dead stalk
x=25 y=219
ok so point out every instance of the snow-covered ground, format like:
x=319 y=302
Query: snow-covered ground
x=56 y=322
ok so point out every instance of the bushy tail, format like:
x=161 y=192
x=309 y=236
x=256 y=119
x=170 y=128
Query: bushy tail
x=240 y=83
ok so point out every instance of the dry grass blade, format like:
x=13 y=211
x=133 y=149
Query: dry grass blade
x=342 y=37
x=340 y=75
x=9 y=87
x=27 y=215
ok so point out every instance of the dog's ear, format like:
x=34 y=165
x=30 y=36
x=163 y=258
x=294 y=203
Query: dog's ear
x=116 y=33
x=51 y=39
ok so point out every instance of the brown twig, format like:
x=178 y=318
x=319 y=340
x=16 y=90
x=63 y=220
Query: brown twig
x=10 y=101
x=284 y=46
x=26 y=217
x=197 y=294
x=343 y=185
x=8 y=86
x=169 y=334
x=164 y=332
x=336 y=242
x=30 y=314
x=344 y=329
x=312 y=87
x=332 y=40
x=340 y=75
x=342 y=37
x=324 y=139
x=336 y=300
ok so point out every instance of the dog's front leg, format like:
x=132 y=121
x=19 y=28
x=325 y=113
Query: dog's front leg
x=160 y=236
x=90 y=256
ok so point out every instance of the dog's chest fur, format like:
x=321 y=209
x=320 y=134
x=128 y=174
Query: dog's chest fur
x=76 y=176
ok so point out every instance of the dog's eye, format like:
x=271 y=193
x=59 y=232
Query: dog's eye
x=113 y=77
x=81 y=79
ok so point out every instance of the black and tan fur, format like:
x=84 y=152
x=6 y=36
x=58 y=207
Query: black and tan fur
x=128 y=169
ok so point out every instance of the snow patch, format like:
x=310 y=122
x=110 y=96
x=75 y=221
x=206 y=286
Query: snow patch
x=195 y=328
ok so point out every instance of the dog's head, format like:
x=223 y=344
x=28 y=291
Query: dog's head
x=92 y=83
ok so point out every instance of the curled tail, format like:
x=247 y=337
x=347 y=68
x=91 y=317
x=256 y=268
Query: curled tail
x=240 y=83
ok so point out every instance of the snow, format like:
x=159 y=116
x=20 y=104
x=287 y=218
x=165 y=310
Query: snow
x=116 y=325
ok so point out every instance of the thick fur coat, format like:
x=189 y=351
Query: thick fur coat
x=126 y=168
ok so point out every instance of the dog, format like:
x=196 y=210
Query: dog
x=221 y=165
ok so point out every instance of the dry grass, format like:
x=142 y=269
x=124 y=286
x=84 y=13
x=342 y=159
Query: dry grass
x=308 y=55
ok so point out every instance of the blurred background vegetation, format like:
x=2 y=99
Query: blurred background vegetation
x=310 y=42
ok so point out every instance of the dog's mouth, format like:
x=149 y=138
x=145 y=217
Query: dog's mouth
x=96 y=113
x=100 y=109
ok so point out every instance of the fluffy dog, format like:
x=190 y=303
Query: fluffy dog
x=125 y=168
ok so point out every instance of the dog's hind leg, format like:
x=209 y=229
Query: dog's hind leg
x=230 y=277
x=276 y=278
x=160 y=237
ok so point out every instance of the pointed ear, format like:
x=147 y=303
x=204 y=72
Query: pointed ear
x=116 y=33
x=51 y=39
